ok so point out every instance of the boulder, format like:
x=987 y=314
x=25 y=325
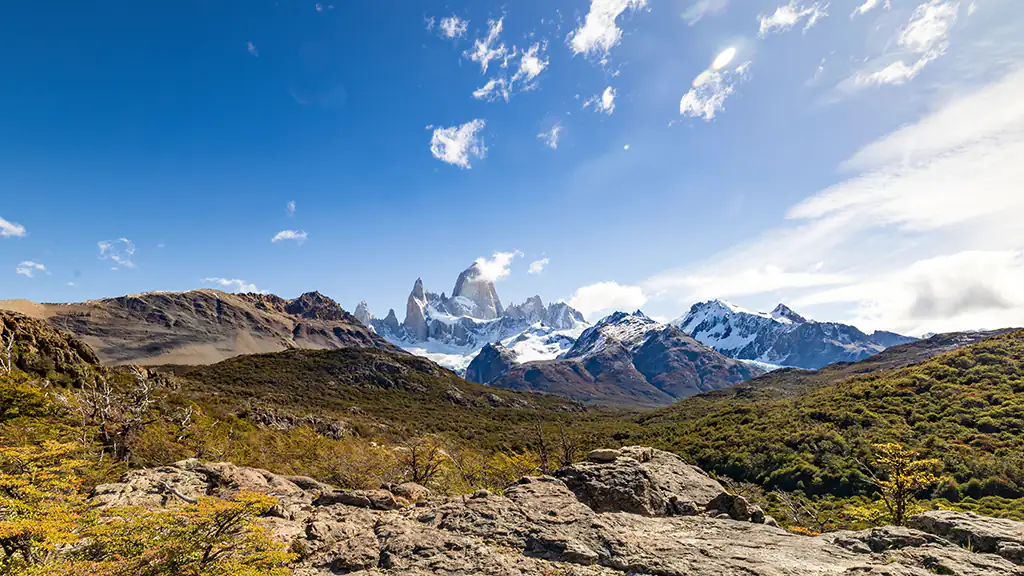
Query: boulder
x=978 y=533
x=373 y=499
x=641 y=481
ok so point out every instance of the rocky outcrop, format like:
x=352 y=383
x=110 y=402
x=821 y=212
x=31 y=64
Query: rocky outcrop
x=542 y=526
x=39 y=349
x=979 y=533
x=640 y=481
x=493 y=362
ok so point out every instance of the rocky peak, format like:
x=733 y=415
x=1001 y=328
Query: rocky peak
x=415 y=322
x=783 y=311
x=315 y=306
x=473 y=286
x=417 y=290
x=493 y=362
x=362 y=313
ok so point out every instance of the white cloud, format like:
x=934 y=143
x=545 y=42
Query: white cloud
x=9 y=229
x=701 y=8
x=789 y=15
x=551 y=137
x=537 y=266
x=498 y=266
x=599 y=33
x=290 y=208
x=605 y=103
x=594 y=300
x=532 y=62
x=234 y=285
x=925 y=36
x=489 y=49
x=297 y=235
x=29 y=268
x=252 y=49
x=453 y=27
x=119 y=251
x=868 y=6
x=709 y=91
x=457 y=144
x=925 y=235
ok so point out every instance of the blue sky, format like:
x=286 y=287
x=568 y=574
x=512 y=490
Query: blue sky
x=836 y=161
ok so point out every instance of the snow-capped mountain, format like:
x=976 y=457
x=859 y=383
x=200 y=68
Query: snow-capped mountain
x=625 y=359
x=781 y=337
x=452 y=330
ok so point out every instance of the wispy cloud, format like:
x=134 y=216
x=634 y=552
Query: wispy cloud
x=290 y=208
x=935 y=203
x=120 y=251
x=538 y=266
x=701 y=8
x=252 y=49
x=712 y=87
x=925 y=37
x=11 y=229
x=789 y=15
x=868 y=6
x=29 y=268
x=490 y=48
x=498 y=266
x=596 y=299
x=456 y=145
x=234 y=285
x=531 y=63
x=599 y=33
x=551 y=137
x=603 y=103
x=297 y=235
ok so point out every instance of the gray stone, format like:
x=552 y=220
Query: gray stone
x=603 y=455
x=539 y=525
x=642 y=481
x=978 y=533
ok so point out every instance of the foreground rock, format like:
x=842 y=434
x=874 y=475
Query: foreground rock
x=980 y=533
x=544 y=525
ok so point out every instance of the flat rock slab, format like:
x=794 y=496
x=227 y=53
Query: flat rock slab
x=975 y=532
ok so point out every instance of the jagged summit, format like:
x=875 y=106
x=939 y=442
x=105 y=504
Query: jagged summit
x=782 y=337
x=476 y=295
x=785 y=312
x=452 y=330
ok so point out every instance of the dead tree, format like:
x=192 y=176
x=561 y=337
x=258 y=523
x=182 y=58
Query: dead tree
x=7 y=356
x=542 y=447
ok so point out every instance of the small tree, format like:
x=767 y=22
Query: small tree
x=423 y=459
x=902 y=475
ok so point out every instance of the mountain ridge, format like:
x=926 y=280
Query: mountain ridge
x=202 y=326
x=782 y=337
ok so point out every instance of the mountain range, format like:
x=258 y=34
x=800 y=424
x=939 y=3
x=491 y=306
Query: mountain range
x=452 y=330
x=625 y=358
x=782 y=337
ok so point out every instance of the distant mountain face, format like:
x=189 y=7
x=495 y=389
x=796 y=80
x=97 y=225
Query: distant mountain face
x=782 y=337
x=625 y=359
x=452 y=330
x=203 y=326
